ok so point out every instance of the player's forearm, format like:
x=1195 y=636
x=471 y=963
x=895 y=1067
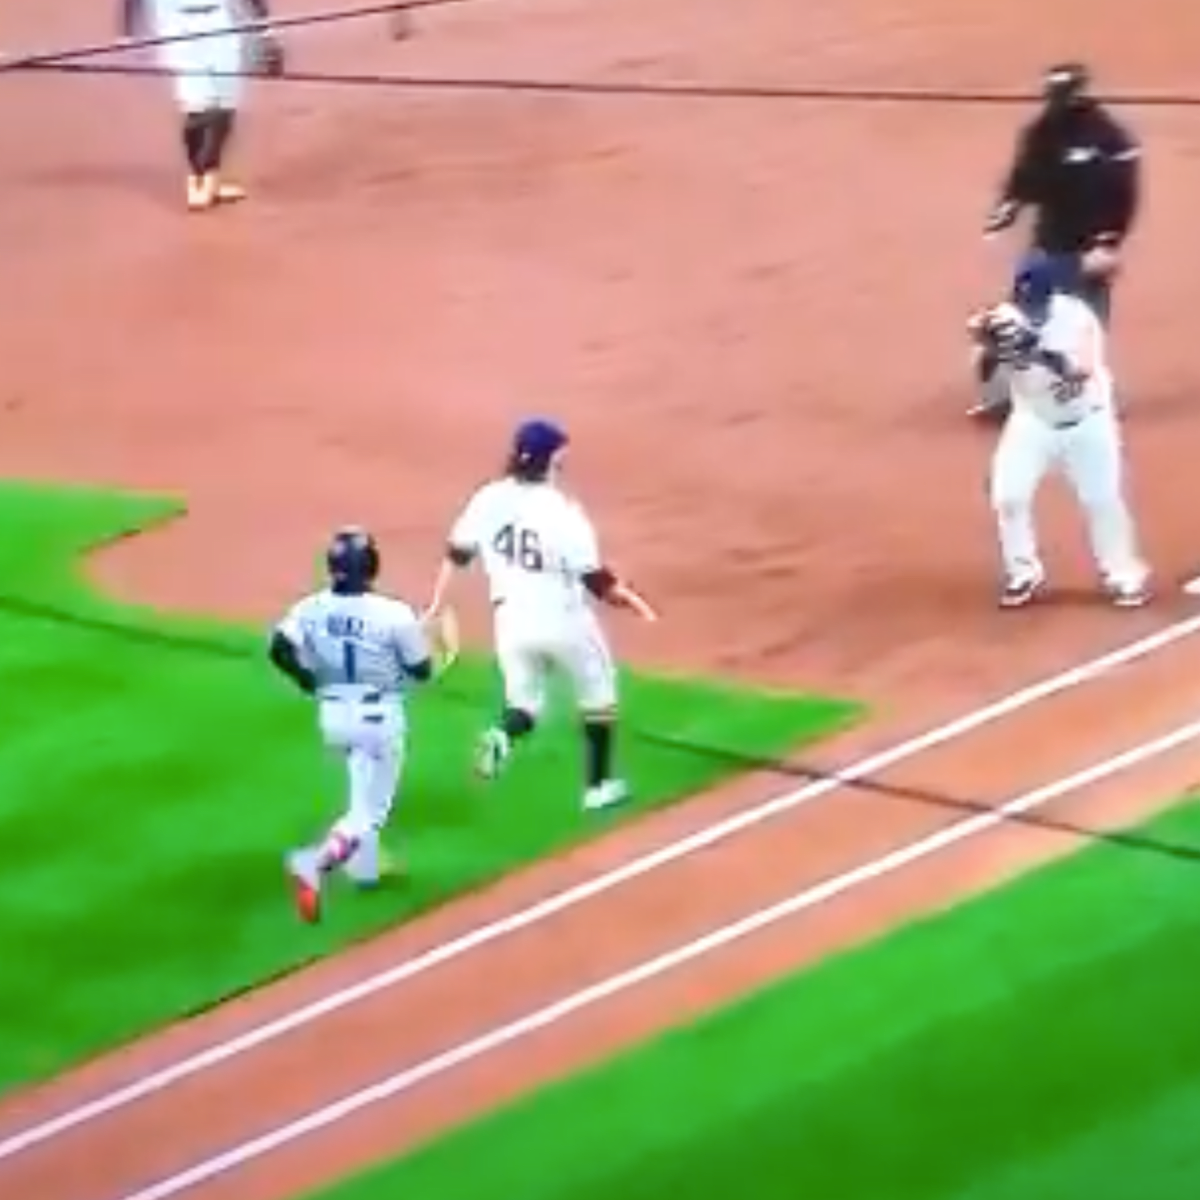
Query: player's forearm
x=285 y=659
x=608 y=588
x=455 y=561
x=1066 y=368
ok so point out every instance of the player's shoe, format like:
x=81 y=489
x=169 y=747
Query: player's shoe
x=201 y=192
x=389 y=868
x=225 y=192
x=491 y=753
x=1019 y=592
x=1128 y=595
x=606 y=795
x=306 y=884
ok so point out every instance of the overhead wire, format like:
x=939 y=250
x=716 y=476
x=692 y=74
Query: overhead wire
x=87 y=59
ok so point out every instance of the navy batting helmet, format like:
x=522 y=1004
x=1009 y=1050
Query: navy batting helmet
x=352 y=560
x=1038 y=277
x=534 y=446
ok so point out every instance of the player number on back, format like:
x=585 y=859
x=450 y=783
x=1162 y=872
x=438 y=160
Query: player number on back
x=520 y=548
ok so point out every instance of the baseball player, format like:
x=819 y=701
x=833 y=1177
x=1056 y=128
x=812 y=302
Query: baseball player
x=540 y=554
x=1079 y=169
x=208 y=66
x=1063 y=417
x=357 y=652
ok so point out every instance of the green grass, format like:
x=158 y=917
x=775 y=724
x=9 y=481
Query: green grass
x=153 y=771
x=1041 y=1041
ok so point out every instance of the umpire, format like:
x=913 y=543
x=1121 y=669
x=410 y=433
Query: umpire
x=1079 y=169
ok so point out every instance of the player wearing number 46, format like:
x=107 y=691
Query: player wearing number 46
x=357 y=652
x=1063 y=417
x=542 y=560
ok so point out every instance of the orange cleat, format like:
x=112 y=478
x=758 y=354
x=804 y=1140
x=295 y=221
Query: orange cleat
x=306 y=884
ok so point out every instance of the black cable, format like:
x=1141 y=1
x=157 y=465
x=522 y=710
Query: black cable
x=1128 y=839
x=665 y=89
x=74 y=55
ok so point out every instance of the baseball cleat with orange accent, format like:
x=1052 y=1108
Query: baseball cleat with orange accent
x=306 y=884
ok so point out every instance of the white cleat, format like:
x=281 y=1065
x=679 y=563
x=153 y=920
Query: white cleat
x=1128 y=595
x=491 y=753
x=606 y=795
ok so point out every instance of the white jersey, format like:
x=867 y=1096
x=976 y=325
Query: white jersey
x=535 y=545
x=1073 y=330
x=356 y=645
x=173 y=18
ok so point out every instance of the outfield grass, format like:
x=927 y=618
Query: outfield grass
x=1042 y=1041
x=153 y=771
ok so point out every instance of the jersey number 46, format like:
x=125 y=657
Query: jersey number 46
x=520 y=548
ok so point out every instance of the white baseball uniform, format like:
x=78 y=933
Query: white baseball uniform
x=535 y=545
x=1080 y=437
x=207 y=70
x=359 y=648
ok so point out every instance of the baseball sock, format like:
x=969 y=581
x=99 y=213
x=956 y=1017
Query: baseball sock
x=598 y=741
x=335 y=850
x=194 y=133
x=216 y=125
x=222 y=132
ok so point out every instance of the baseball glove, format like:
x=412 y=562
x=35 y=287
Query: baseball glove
x=1004 y=333
x=270 y=62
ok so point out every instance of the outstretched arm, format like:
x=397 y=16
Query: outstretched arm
x=1019 y=186
x=608 y=588
x=457 y=559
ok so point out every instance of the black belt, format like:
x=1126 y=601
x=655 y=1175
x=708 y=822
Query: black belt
x=1091 y=412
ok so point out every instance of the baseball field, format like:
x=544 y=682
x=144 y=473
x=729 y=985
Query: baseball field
x=905 y=905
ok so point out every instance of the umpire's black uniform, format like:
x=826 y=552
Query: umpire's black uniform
x=1079 y=169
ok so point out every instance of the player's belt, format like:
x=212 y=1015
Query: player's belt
x=1079 y=420
x=198 y=10
x=375 y=696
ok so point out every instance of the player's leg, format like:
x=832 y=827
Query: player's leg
x=589 y=662
x=194 y=99
x=1093 y=462
x=523 y=671
x=370 y=737
x=229 y=61
x=1019 y=464
x=375 y=778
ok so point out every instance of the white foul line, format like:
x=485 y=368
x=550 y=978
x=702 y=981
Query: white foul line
x=542 y=1018
x=158 y=1081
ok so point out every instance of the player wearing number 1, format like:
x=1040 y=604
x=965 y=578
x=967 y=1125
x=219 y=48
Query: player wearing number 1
x=542 y=560
x=357 y=652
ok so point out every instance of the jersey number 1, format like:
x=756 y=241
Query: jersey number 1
x=520 y=547
x=350 y=661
